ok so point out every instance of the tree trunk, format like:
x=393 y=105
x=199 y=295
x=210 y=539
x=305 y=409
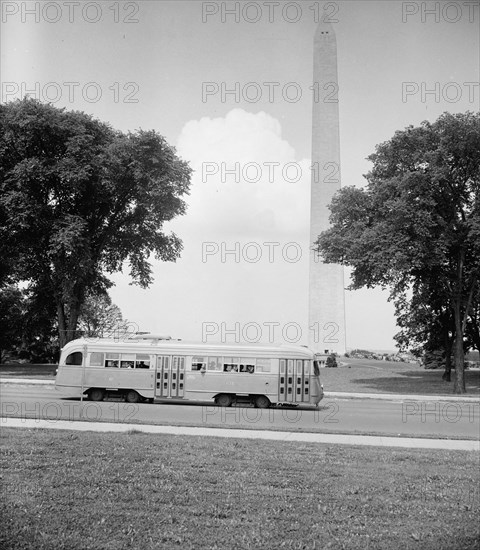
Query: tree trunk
x=62 y=329
x=448 y=344
x=67 y=325
x=73 y=320
x=448 y=366
x=459 y=384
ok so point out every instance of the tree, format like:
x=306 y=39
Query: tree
x=417 y=222
x=39 y=327
x=27 y=326
x=79 y=199
x=100 y=318
x=331 y=361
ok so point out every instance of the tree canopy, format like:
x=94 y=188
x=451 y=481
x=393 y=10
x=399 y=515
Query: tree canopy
x=78 y=200
x=415 y=227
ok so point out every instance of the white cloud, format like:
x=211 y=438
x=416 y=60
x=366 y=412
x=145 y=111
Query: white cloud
x=247 y=181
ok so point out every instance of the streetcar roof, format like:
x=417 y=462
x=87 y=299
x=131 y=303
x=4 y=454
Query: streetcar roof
x=193 y=348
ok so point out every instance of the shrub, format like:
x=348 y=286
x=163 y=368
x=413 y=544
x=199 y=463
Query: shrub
x=331 y=361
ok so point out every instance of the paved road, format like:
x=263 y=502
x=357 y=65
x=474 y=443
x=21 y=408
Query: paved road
x=440 y=419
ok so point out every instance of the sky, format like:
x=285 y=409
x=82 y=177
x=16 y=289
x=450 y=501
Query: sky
x=229 y=85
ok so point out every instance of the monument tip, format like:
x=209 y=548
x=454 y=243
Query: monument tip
x=324 y=30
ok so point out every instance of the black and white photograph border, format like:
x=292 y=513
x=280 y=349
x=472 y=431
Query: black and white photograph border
x=194 y=177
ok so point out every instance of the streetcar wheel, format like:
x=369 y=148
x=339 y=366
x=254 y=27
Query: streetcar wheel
x=96 y=394
x=223 y=400
x=132 y=397
x=262 y=402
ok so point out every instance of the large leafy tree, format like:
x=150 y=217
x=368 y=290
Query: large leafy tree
x=79 y=199
x=417 y=222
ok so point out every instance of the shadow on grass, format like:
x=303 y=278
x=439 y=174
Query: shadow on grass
x=420 y=382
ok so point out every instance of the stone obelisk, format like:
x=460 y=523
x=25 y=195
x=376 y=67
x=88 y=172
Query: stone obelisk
x=326 y=293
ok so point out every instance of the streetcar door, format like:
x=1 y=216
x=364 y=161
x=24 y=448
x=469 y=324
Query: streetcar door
x=290 y=380
x=170 y=376
x=302 y=381
x=286 y=380
x=162 y=376
x=294 y=381
x=177 y=376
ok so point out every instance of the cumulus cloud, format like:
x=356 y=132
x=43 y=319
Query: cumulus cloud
x=247 y=181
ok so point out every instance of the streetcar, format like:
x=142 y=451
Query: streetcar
x=155 y=368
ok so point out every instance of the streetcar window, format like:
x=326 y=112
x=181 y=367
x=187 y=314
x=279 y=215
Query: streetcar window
x=128 y=361
x=178 y=363
x=263 y=365
x=230 y=364
x=162 y=362
x=316 y=370
x=74 y=358
x=214 y=363
x=199 y=363
x=143 y=361
x=96 y=359
x=247 y=365
x=112 y=360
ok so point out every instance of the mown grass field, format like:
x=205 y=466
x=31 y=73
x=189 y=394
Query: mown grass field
x=28 y=370
x=370 y=376
x=68 y=490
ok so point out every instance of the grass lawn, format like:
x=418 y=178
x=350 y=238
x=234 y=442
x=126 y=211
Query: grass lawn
x=28 y=370
x=69 y=490
x=370 y=376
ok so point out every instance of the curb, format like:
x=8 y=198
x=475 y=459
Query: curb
x=401 y=397
x=376 y=441
x=327 y=394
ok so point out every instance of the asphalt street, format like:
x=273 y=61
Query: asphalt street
x=341 y=418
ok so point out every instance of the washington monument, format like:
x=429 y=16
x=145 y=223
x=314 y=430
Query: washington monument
x=326 y=292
